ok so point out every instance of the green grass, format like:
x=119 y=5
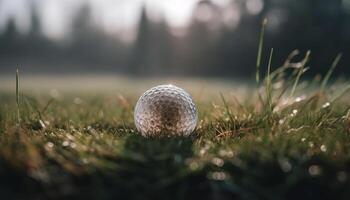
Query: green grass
x=287 y=139
x=271 y=145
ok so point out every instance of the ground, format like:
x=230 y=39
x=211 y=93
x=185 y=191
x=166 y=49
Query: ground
x=285 y=138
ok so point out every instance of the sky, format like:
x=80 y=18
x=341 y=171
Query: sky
x=115 y=16
x=112 y=15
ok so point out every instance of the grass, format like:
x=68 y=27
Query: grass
x=17 y=98
x=289 y=141
x=260 y=47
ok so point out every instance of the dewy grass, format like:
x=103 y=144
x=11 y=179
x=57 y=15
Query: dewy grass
x=239 y=150
x=297 y=147
x=17 y=98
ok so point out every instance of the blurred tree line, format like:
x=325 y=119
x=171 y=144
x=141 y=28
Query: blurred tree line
x=220 y=41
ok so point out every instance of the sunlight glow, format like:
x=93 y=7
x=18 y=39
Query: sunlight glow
x=254 y=7
x=176 y=12
x=17 y=10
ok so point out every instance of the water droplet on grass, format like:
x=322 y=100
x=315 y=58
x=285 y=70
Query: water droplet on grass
x=202 y=151
x=50 y=144
x=299 y=99
x=315 y=170
x=65 y=143
x=219 y=176
x=218 y=161
x=285 y=165
x=226 y=153
x=194 y=165
x=326 y=105
x=311 y=144
x=73 y=145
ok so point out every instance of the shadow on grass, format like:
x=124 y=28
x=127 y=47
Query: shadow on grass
x=158 y=168
x=17 y=185
x=153 y=169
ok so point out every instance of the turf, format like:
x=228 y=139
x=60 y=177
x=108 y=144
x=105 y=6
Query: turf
x=88 y=148
x=286 y=138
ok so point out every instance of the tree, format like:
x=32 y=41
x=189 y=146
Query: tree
x=140 y=58
x=9 y=38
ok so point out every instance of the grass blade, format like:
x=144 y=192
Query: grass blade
x=301 y=71
x=261 y=43
x=330 y=71
x=17 y=98
x=268 y=82
x=228 y=110
x=341 y=94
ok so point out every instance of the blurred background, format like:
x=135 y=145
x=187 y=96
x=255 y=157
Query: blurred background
x=203 y=38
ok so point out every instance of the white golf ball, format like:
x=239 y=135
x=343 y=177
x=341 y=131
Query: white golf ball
x=165 y=110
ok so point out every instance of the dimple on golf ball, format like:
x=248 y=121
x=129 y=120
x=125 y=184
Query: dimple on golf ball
x=165 y=110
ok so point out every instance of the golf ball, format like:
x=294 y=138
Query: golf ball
x=165 y=110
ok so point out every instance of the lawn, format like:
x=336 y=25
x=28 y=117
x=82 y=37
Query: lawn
x=286 y=138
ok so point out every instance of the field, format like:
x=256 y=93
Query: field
x=74 y=138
